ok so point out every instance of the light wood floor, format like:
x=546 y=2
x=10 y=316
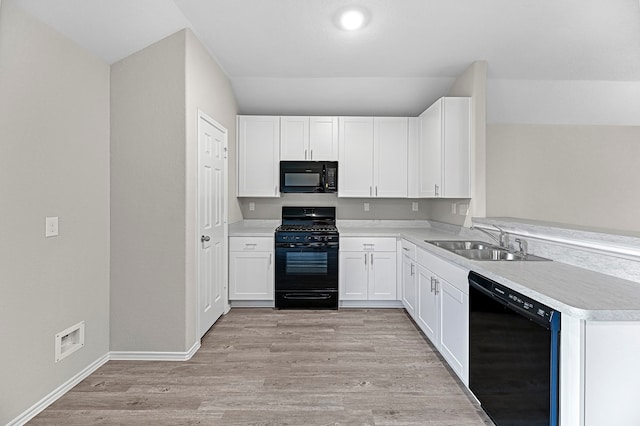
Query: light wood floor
x=264 y=367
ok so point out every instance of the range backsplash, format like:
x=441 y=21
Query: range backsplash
x=346 y=208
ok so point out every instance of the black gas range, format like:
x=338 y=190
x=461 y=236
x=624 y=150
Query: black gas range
x=306 y=248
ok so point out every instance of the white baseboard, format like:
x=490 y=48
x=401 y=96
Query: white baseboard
x=371 y=304
x=154 y=356
x=52 y=397
x=252 y=304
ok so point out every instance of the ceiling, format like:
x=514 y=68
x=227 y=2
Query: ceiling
x=288 y=56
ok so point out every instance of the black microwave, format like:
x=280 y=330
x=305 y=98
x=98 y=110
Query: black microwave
x=308 y=176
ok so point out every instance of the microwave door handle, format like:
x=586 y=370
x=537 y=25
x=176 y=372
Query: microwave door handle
x=323 y=178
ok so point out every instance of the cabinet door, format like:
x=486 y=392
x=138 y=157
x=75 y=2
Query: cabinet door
x=294 y=138
x=454 y=329
x=251 y=276
x=353 y=268
x=456 y=144
x=409 y=274
x=355 y=174
x=430 y=151
x=428 y=309
x=323 y=138
x=390 y=157
x=382 y=275
x=258 y=156
x=413 y=157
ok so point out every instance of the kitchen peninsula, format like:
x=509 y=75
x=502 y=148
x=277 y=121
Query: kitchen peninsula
x=600 y=309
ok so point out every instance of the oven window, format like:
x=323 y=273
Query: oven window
x=302 y=179
x=307 y=263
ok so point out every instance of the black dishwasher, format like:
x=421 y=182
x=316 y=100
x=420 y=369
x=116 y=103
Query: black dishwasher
x=513 y=354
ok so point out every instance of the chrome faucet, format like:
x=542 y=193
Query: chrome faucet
x=502 y=239
x=522 y=244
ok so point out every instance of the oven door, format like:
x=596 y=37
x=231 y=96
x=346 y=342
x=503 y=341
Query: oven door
x=306 y=276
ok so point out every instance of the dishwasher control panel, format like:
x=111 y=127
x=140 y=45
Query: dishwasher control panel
x=513 y=298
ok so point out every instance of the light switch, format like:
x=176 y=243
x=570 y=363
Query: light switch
x=414 y=206
x=252 y=206
x=366 y=207
x=51 y=226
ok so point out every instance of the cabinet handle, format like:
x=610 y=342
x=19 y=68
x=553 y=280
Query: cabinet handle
x=412 y=265
x=365 y=260
x=372 y=260
x=376 y=190
x=370 y=191
x=305 y=154
x=276 y=190
x=436 y=282
x=431 y=284
x=311 y=154
x=405 y=249
x=436 y=190
x=269 y=259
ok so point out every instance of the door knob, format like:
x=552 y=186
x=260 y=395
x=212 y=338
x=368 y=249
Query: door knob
x=205 y=238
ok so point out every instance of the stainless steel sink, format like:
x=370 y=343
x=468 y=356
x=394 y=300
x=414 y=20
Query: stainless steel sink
x=462 y=245
x=479 y=250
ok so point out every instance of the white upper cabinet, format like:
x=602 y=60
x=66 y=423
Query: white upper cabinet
x=390 y=157
x=258 y=156
x=294 y=138
x=309 y=138
x=444 y=168
x=323 y=138
x=373 y=157
x=355 y=167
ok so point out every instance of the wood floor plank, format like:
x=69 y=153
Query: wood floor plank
x=259 y=366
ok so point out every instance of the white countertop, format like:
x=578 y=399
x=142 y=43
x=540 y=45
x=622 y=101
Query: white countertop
x=571 y=290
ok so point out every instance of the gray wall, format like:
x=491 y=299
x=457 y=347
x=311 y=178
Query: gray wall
x=346 y=208
x=54 y=161
x=155 y=97
x=148 y=222
x=207 y=90
x=573 y=174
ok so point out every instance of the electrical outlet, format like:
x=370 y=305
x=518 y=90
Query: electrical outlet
x=414 y=206
x=51 y=226
x=366 y=207
x=453 y=208
x=252 y=206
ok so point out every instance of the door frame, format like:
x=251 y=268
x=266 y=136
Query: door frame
x=225 y=213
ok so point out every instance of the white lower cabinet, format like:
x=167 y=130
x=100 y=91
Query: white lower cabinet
x=454 y=329
x=367 y=268
x=442 y=309
x=428 y=316
x=251 y=270
x=409 y=277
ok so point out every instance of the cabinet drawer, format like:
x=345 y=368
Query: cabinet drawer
x=409 y=249
x=448 y=271
x=251 y=244
x=367 y=244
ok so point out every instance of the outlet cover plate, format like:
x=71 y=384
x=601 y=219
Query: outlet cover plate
x=51 y=226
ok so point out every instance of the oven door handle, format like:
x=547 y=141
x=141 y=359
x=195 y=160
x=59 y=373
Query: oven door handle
x=306 y=296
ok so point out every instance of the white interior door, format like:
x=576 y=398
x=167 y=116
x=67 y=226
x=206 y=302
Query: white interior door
x=212 y=222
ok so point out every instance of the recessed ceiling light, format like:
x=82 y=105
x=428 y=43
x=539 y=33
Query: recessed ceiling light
x=352 y=19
